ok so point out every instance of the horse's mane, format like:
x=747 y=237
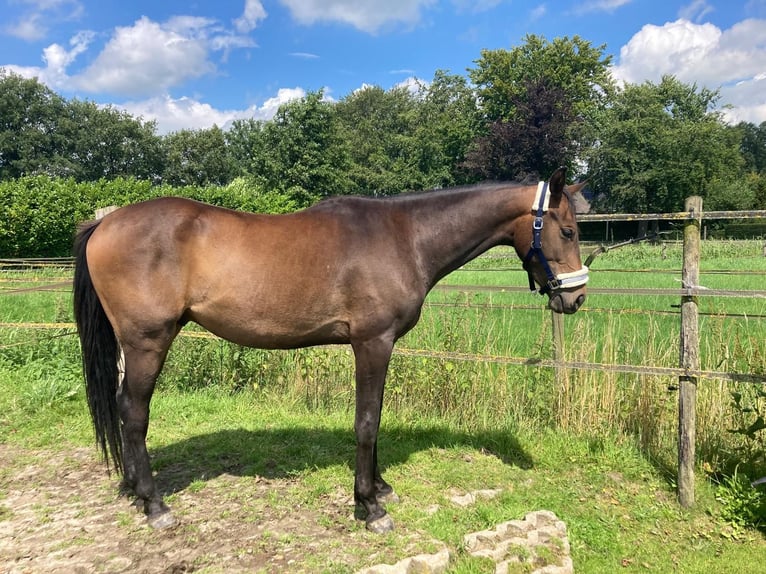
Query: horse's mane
x=424 y=193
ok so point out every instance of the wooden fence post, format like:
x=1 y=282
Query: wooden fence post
x=102 y=212
x=689 y=354
x=561 y=373
x=558 y=340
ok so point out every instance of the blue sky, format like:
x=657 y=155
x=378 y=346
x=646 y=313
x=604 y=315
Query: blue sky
x=194 y=64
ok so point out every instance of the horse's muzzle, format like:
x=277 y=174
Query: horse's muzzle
x=566 y=302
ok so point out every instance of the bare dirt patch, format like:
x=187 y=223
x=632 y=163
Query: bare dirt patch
x=61 y=513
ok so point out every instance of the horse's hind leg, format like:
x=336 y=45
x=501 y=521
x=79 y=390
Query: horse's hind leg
x=384 y=492
x=142 y=366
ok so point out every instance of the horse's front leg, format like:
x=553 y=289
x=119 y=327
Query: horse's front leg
x=134 y=396
x=372 y=359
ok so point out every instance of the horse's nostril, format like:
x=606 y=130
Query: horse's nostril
x=580 y=301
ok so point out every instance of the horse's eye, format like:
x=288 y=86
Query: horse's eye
x=567 y=232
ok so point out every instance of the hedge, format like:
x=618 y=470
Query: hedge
x=39 y=214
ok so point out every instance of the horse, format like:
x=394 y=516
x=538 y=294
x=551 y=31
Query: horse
x=347 y=270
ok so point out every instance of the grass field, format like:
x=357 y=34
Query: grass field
x=597 y=448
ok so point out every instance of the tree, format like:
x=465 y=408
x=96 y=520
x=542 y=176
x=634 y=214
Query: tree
x=532 y=144
x=509 y=84
x=447 y=122
x=29 y=115
x=301 y=152
x=573 y=65
x=97 y=142
x=409 y=137
x=753 y=146
x=197 y=157
x=659 y=144
x=42 y=133
x=378 y=127
x=243 y=140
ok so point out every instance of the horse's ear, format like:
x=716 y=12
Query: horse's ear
x=581 y=203
x=557 y=181
x=576 y=188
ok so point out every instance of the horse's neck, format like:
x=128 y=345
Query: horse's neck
x=466 y=225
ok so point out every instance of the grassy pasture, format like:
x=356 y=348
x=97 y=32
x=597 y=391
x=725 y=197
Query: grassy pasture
x=596 y=447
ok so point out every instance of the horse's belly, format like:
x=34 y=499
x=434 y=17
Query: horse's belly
x=286 y=332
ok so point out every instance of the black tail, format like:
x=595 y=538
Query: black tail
x=100 y=353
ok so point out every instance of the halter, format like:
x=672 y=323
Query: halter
x=555 y=282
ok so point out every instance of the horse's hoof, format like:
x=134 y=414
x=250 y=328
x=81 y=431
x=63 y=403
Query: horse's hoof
x=388 y=498
x=380 y=525
x=162 y=521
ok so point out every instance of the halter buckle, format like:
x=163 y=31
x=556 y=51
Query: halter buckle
x=552 y=285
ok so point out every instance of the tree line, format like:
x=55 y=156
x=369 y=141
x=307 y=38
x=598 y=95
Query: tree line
x=516 y=115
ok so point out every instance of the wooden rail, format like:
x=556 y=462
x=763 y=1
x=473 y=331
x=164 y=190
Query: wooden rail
x=689 y=214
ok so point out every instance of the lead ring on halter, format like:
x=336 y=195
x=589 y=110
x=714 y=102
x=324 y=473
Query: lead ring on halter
x=555 y=282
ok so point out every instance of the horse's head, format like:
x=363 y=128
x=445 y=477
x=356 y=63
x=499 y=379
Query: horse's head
x=553 y=260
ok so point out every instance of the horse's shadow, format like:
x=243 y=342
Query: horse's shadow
x=284 y=452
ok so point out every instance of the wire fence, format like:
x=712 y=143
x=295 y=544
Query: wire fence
x=69 y=328
x=10 y=285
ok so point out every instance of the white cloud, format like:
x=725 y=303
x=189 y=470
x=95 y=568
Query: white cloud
x=538 y=12
x=57 y=58
x=146 y=59
x=600 y=6
x=695 y=11
x=747 y=101
x=413 y=85
x=675 y=48
x=176 y=114
x=701 y=54
x=270 y=106
x=254 y=12
x=187 y=113
x=366 y=15
x=29 y=27
x=33 y=24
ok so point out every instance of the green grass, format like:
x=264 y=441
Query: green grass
x=619 y=507
x=597 y=448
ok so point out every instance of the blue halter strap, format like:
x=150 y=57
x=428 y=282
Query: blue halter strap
x=554 y=283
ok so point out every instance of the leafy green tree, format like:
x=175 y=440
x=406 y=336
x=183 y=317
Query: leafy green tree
x=244 y=139
x=42 y=133
x=409 y=138
x=301 y=152
x=97 y=142
x=572 y=64
x=757 y=182
x=509 y=83
x=29 y=115
x=753 y=146
x=661 y=143
x=447 y=121
x=197 y=157
x=378 y=127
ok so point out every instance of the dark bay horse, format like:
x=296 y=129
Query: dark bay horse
x=347 y=270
